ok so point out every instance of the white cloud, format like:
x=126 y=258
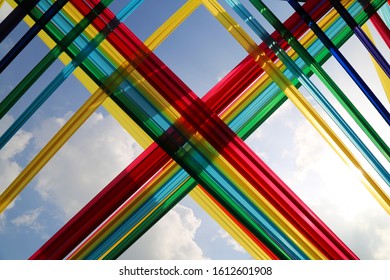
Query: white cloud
x=283 y=114
x=316 y=160
x=382 y=251
x=336 y=195
x=172 y=238
x=327 y=185
x=310 y=154
x=90 y=160
x=271 y=134
x=230 y=241
x=98 y=151
x=9 y=168
x=16 y=146
x=47 y=128
x=29 y=220
x=367 y=233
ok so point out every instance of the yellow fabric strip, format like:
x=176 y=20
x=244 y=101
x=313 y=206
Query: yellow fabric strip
x=236 y=34
x=127 y=210
x=242 y=184
x=270 y=209
x=257 y=199
x=126 y=122
x=299 y=101
x=309 y=251
x=264 y=81
x=97 y=98
x=385 y=80
x=222 y=219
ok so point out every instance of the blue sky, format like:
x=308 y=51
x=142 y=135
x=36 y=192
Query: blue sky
x=200 y=52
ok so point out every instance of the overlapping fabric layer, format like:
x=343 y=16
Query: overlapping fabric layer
x=195 y=146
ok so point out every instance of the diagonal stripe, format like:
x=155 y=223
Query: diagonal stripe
x=364 y=39
x=185 y=101
x=382 y=76
x=343 y=61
